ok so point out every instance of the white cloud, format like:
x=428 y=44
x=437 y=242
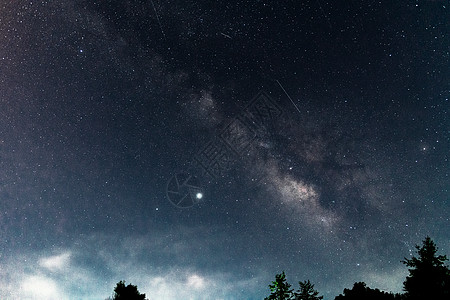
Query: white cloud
x=39 y=287
x=26 y=276
x=179 y=278
x=56 y=262
x=196 y=281
x=37 y=276
x=184 y=284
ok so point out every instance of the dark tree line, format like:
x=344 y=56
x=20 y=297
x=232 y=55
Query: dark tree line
x=361 y=291
x=428 y=279
x=281 y=290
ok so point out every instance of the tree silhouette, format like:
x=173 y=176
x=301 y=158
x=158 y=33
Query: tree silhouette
x=428 y=277
x=361 y=291
x=307 y=292
x=129 y=292
x=280 y=288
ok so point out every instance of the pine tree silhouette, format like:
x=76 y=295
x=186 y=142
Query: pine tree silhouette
x=307 y=292
x=280 y=288
x=429 y=277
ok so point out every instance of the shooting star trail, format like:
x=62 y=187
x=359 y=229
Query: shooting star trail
x=292 y=101
x=157 y=18
x=226 y=35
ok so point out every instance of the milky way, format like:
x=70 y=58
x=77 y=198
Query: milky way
x=316 y=133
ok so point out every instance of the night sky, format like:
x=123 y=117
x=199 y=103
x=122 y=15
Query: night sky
x=197 y=148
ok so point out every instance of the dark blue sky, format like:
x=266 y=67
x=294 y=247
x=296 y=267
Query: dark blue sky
x=317 y=134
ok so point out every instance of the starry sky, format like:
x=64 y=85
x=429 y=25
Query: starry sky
x=197 y=148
